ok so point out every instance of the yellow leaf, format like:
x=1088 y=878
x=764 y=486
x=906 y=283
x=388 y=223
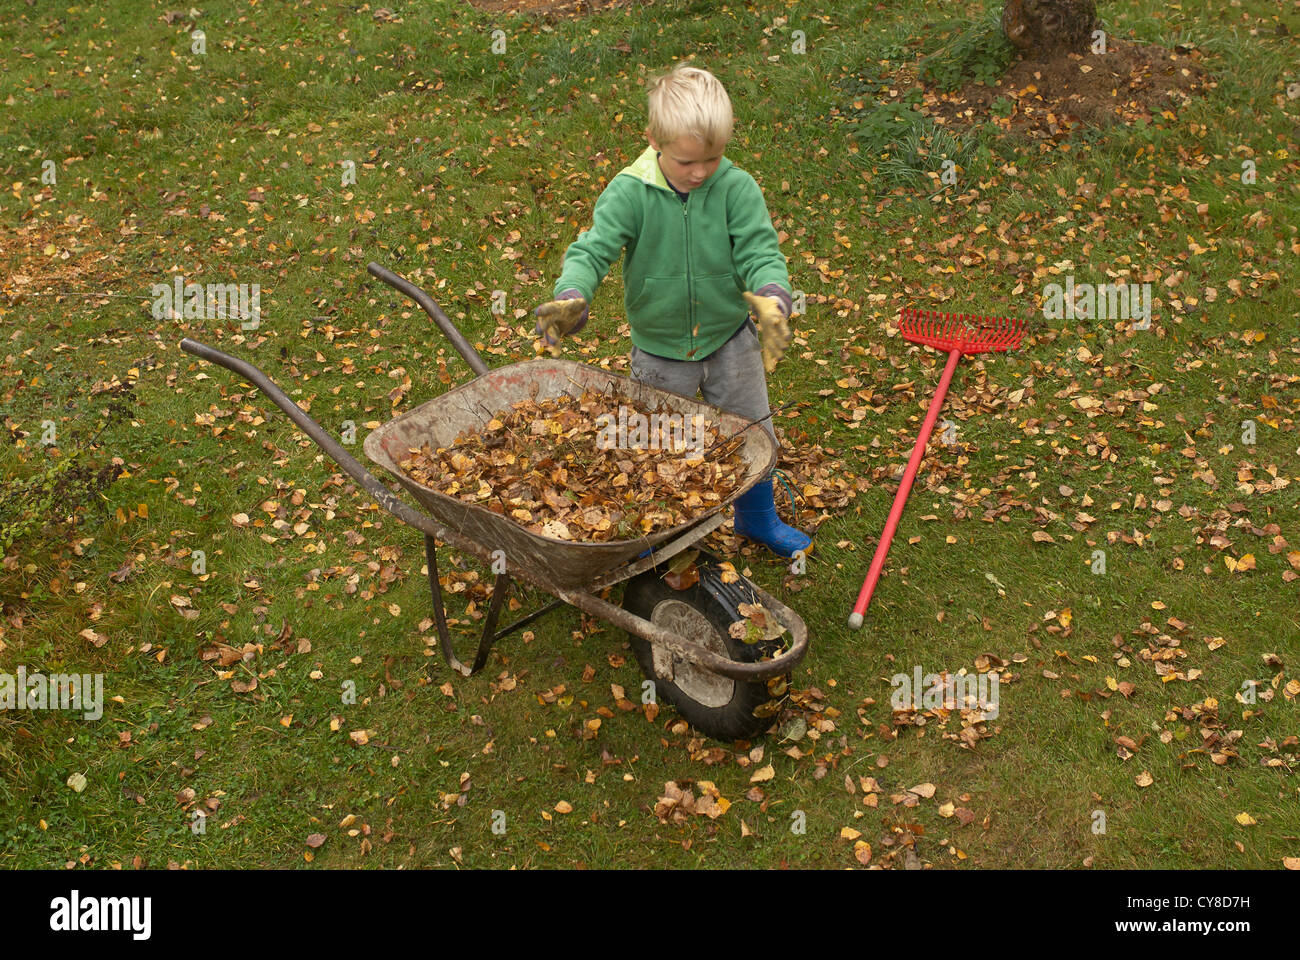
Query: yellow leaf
x=1144 y=779
x=564 y=807
x=1245 y=819
x=848 y=833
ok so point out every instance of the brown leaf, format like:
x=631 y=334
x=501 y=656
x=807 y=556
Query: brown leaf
x=121 y=573
x=97 y=639
x=688 y=578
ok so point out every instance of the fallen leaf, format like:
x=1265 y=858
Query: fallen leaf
x=98 y=639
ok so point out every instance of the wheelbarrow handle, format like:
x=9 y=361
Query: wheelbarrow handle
x=449 y=329
x=383 y=496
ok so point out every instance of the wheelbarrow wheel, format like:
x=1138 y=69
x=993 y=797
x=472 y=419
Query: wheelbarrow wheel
x=717 y=706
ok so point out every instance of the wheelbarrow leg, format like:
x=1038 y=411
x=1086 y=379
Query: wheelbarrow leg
x=500 y=587
x=440 y=613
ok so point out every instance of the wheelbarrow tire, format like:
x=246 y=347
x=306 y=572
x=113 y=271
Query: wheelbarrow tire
x=718 y=707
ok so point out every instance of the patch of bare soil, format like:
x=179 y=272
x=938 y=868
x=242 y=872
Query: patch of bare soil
x=1052 y=97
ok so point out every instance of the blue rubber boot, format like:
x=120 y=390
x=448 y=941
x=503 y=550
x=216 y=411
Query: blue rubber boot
x=756 y=519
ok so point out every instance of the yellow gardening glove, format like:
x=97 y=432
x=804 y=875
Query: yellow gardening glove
x=772 y=326
x=559 y=318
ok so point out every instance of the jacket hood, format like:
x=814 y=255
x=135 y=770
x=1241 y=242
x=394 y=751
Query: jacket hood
x=646 y=169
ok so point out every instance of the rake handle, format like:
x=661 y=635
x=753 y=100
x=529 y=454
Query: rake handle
x=904 y=488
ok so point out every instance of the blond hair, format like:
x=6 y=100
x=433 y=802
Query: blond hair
x=689 y=102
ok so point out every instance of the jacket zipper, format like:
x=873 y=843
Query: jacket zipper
x=690 y=301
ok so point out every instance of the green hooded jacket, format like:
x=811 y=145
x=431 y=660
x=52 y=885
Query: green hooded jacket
x=687 y=263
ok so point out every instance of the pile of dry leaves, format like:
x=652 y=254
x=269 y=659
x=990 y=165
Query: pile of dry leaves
x=1049 y=98
x=582 y=468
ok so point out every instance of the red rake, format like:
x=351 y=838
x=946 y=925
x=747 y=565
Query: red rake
x=957 y=334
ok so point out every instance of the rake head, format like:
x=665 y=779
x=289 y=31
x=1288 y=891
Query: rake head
x=961 y=331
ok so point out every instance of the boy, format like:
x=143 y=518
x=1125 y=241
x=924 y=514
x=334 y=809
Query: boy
x=698 y=239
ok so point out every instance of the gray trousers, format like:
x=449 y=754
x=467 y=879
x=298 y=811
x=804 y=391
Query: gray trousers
x=732 y=377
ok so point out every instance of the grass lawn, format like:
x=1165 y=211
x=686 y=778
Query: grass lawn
x=1109 y=523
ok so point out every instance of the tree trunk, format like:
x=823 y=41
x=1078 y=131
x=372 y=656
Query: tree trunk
x=1042 y=27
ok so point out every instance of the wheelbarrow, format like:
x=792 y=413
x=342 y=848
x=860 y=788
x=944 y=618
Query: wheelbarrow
x=724 y=686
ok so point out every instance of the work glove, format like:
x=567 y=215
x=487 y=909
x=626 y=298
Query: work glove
x=560 y=317
x=770 y=312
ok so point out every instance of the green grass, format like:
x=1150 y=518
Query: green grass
x=280 y=100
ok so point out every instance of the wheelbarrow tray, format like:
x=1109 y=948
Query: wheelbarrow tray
x=563 y=563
